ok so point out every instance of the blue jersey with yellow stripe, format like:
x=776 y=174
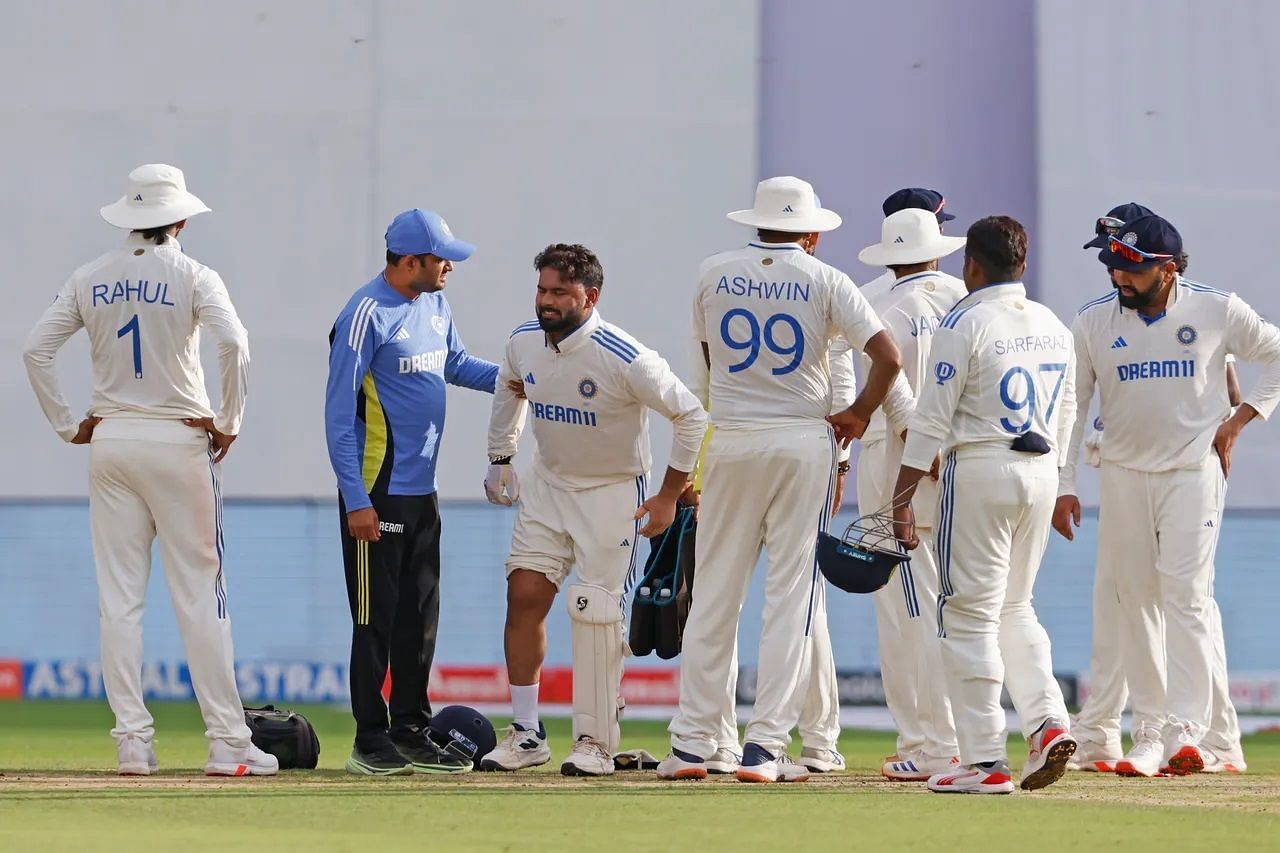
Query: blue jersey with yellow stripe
x=389 y=360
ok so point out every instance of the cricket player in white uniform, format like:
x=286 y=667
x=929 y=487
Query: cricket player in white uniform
x=911 y=243
x=765 y=316
x=1158 y=344
x=998 y=396
x=590 y=387
x=154 y=460
x=1097 y=727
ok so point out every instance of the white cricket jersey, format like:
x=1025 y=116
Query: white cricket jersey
x=142 y=306
x=589 y=399
x=1001 y=367
x=911 y=308
x=1164 y=383
x=768 y=313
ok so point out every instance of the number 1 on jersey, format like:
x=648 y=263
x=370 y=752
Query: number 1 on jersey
x=131 y=328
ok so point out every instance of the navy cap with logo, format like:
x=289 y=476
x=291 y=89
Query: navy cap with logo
x=1105 y=226
x=1145 y=241
x=917 y=198
x=424 y=232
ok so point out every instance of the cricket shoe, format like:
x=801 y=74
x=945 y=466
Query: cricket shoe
x=136 y=757
x=1224 y=761
x=228 y=760
x=588 y=758
x=724 y=761
x=1143 y=759
x=918 y=767
x=1182 y=753
x=1051 y=748
x=381 y=759
x=820 y=760
x=680 y=766
x=519 y=748
x=1094 y=758
x=974 y=779
x=760 y=765
x=422 y=752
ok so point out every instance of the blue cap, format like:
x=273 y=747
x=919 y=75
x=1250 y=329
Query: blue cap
x=1150 y=234
x=919 y=199
x=424 y=232
x=1126 y=212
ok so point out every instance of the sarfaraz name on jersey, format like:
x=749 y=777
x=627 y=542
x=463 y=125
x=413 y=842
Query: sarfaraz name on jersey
x=1033 y=343
x=154 y=292
x=740 y=285
x=1169 y=368
x=563 y=414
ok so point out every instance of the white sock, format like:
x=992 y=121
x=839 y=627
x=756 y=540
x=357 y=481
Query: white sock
x=524 y=705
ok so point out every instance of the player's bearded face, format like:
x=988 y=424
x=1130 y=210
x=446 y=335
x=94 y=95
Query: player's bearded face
x=561 y=305
x=1139 y=288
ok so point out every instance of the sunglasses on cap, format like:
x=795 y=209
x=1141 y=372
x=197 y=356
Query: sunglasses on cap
x=1108 y=225
x=1131 y=254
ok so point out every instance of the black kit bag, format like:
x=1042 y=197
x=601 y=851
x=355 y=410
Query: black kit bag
x=665 y=591
x=286 y=735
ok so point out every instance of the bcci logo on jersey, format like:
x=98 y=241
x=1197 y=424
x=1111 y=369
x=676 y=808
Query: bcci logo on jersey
x=1186 y=335
x=944 y=371
x=588 y=388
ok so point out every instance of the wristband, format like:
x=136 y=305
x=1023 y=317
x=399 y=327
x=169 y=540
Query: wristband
x=499 y=460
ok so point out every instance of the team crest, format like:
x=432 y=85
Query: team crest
x=1129 y=238
x=444 y=229
x=1186 y=336
x=587 y=388
x=437 y=323
x=944 y=371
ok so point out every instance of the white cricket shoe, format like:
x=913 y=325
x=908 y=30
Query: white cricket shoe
x=588 y=758
x=1051 y=748
x=228 y=760
x=917 y=767
x=820 y=760
x=136 y=757
x=759 y=765
x=1182 y=755
x=974 y=779
x=681 y=766
x=518 y=749
x=1094 y=758
x=1143 y=759
x=1223 y=762
x=724 y=761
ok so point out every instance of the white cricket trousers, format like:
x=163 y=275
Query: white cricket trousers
x=1162 y=531
x=819 y=723
x=906 y=619
x=767 y=488
x=994 y=514
x=152 y=479
x=1099 y=720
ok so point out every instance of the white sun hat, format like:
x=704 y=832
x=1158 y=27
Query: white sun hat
x=787 y=204
x=156 y=196
x=909 y=236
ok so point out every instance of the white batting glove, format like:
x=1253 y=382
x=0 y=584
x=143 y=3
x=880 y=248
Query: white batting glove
x=1093 y=448
x=501 y=486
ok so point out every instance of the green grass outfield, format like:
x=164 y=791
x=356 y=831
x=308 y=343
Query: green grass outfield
x=58 y=791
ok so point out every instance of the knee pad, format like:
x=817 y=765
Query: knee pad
x=598 y=648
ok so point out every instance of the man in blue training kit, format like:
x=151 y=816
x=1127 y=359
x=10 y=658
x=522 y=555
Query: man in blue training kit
x=391 y=351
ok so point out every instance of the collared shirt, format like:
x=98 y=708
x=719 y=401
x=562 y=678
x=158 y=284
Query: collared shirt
x=769 y=313
x=1164 y=381
x=143 y=306
x=590 y=398
x=384 y=408
x=1001 y=366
